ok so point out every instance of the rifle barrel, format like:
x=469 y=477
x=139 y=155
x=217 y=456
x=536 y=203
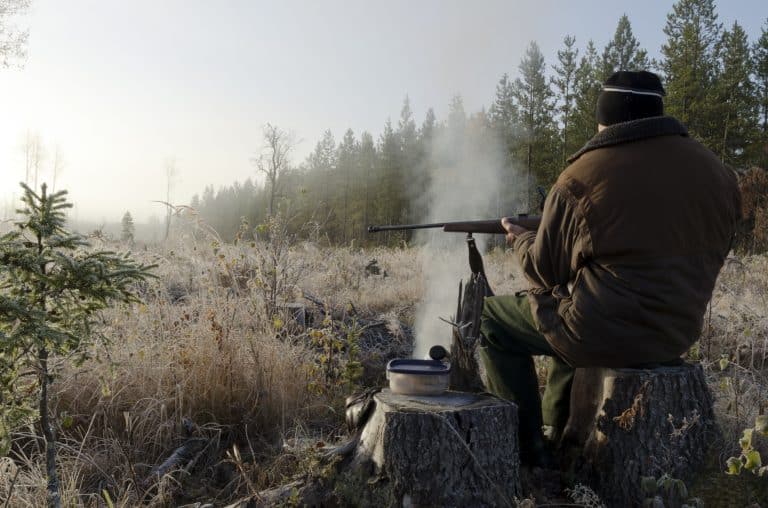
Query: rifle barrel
x=402 y=227
x=488 y=226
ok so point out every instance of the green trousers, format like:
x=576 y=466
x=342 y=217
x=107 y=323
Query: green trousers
x=510 y=340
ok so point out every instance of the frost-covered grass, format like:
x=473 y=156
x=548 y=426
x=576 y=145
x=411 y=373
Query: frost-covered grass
x=202 y=348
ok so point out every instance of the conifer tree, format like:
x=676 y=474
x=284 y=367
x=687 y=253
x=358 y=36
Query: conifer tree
x=760 y=55
x=406 y=127
x=410 y=159
x=737 y=102
x=689 y=66
x=347 y=159
x=564 y=81
x=505 y=121
x=428 y=127
x=367 y=161
x=51 y=290
x=323 y=163
x=504 y=112
x=457 y=119
x=623 y=52
x=391 y=201
x=536 y=102
x=128 y=228
x=588 y=84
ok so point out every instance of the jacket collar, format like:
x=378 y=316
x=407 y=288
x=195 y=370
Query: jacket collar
x=633 y=130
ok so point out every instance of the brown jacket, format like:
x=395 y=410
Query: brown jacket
x=633 y=235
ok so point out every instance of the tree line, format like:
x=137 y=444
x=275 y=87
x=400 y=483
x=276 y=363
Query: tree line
x=716 y=81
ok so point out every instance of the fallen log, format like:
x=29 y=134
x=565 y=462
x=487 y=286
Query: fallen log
x=181 y=456
x=634 y=423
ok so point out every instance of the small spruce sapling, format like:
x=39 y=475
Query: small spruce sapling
x=51 y=290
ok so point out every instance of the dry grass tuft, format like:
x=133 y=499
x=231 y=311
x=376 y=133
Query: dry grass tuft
x=203 y=349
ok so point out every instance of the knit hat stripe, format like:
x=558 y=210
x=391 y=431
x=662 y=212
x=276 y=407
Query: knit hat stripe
x=629 y=90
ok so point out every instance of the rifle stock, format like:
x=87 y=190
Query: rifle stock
x=488 y=226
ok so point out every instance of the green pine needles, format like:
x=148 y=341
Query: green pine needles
x=52 y=286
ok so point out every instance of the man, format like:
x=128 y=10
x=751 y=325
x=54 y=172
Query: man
x=633 y=235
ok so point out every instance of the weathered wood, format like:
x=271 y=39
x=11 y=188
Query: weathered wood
x=458 y=449
x=465 y=373
x=639 y=422
x=180 y=456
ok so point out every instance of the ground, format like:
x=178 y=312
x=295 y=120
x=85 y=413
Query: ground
x=215 y=357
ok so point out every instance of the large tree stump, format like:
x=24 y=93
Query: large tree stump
x=638 y=422
x=457 y=449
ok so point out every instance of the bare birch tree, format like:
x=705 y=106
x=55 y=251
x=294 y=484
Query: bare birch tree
x=273 y=158
x=170 y=176
x=34 y=156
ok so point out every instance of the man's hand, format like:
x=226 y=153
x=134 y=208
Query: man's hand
x=512 y=229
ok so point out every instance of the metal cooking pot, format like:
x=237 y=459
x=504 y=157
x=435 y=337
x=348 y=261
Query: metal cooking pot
x=418 y=377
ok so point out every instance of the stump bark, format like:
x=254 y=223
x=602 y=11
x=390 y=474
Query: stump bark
x=458 y=449
x=636 y=422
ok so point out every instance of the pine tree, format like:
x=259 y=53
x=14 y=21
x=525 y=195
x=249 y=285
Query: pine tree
x=410 y=160
x=564 y=81
x=391 y=198
x=587 y=85
x=128 y=228
x=689 y=66
x=536 y=102
x=737 y=102
x=347 y=156
x=428 y=127
x=505 y=121
x=623 y=52
x=760 y=55
x=406 y=127
x=457 y=119
x=504 y=113
x=368 y=166
x=51 y=290
x=323 y=163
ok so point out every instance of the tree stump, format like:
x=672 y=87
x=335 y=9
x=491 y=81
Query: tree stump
x=638 y=422
x=457 y=449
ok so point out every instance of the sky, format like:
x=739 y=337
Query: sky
x=121 y=88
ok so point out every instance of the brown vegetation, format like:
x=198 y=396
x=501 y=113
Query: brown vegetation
x=201 y=359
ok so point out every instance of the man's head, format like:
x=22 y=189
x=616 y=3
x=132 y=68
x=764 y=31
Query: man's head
x=630 y=96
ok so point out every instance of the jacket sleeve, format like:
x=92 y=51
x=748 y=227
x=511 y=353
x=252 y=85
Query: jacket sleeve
x=551 y=256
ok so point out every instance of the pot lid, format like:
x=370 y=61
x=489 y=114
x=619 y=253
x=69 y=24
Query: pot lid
x=419 y=367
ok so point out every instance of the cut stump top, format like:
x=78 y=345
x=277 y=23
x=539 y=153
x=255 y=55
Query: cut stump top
x=447 y=401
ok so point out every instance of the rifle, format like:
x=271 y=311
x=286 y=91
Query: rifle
x=489 y=226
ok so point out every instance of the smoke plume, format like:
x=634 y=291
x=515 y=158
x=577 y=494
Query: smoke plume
x=468 y=180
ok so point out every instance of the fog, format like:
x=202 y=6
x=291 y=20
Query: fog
x=458 y=193
x=118 y=88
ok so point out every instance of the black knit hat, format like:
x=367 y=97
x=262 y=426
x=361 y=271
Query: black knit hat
x=629 y=96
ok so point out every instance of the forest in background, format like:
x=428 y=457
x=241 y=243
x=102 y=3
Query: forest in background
x=716 y=81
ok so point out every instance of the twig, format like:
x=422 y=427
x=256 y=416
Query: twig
x=10 y=490
x=313 y=299
x=373 y=325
